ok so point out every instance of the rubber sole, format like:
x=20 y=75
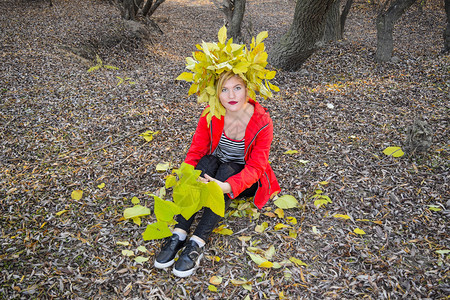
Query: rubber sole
x=187 y=272
x=159 y=265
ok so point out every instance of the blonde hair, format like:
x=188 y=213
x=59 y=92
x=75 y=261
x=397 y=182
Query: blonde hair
x=223 y=78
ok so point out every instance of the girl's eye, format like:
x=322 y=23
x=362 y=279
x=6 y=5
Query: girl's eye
x=238 y=88
x=224 y=90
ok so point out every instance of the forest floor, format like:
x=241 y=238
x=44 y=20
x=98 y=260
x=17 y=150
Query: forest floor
x=63 y=129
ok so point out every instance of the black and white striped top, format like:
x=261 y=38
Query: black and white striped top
x=230 y=150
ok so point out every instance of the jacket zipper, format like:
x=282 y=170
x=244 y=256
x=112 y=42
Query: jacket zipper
x=256 y=134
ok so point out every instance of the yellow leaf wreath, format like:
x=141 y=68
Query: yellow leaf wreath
x=213 y=59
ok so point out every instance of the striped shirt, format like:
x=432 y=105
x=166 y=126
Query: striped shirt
x=230 y=150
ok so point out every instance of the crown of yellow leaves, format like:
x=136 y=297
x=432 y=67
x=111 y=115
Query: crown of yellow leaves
x=213 y=59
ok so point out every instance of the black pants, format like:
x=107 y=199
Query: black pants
x=212 y=166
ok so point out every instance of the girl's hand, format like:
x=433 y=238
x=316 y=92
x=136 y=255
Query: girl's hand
x=225 y=186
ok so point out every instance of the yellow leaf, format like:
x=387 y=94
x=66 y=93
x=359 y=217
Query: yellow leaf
x=77 y=194
x=245 y=238
x=261 y=36
x=61 y=212
x=266 y=264
x=359 y=231
x=394 y=151
x=101 y=185
x=216 y=280
x=186 y=76
x=222 y=34
x=291 y=220
x=137 y=221
x=280 y=226
x=346 y=217
x=212 y=288
x=279 y=212
x=291 y=152
x=297 y=261
x=238 y=282
x=135 y=200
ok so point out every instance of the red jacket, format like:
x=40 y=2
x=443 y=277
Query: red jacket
x=258 y=138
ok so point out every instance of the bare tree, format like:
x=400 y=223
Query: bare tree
x=131 y=9
x=300 y=42
x=234 y=13
x=335 y=21
x=385 y=27
x=447 y=30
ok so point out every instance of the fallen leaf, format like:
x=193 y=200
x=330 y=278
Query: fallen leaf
x=77 y=194
x=359 y=231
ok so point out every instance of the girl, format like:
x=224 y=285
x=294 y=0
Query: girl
x=233 y=151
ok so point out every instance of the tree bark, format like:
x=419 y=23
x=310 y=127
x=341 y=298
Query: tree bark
x=234 y=28
x=149 y=9
x=300 y=42
x=344 y=15
x=332 y=30
x=385 y=27
x=447 y=30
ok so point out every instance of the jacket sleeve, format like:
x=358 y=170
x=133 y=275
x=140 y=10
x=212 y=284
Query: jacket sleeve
x=256 y=163
x=201 y=142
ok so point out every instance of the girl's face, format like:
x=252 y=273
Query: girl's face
x=233 y=95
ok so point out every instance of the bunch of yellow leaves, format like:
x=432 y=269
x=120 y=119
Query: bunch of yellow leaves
x=215 y=58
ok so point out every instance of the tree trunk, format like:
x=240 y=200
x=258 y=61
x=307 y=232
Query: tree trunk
x=447 y=30
x=333 y=30
x=344 y=15
x=234 y=28
x=385 y=28
x=300 y=42
x=150 y=7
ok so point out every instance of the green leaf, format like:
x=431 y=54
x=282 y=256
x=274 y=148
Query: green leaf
x=162 y=167
x=394 y=151
x=434 y=208
x=443 y=252
x=165 y=210
x=212 y=197
x=256 y=258
x=101 y=185
x=127 y=253
x=157 y=230
x=136 y=211
x=135 y=200
x=142 y=249
x=286 y=202
x=171 y=181
x=125 y=243
x=141 y=259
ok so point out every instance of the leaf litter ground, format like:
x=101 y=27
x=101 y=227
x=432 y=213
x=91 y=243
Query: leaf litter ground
x=64 y=129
